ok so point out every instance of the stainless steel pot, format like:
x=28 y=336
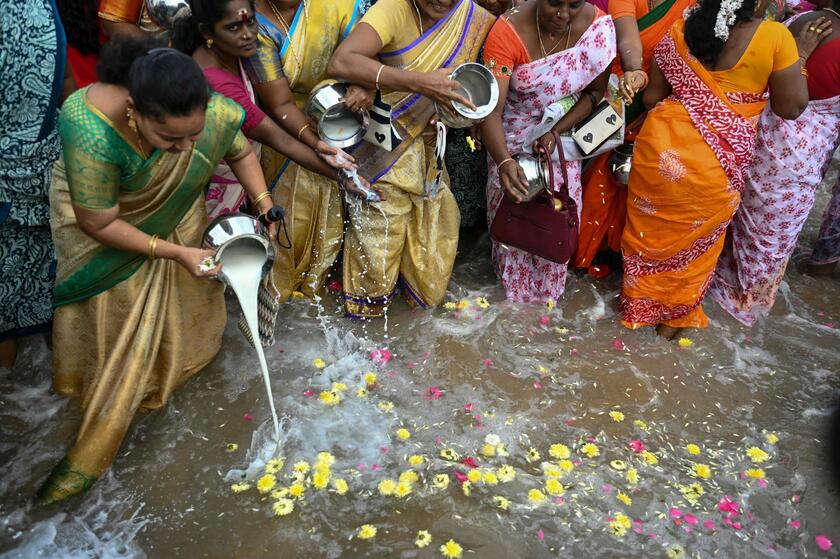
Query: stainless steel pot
x=620 y=163
x=163 y=13
x=338 y=126
x=235 y=228
x=536 y=171
x=479 y=86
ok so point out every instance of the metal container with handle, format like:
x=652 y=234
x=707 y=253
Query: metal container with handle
x=479 y=86
x=338 y=126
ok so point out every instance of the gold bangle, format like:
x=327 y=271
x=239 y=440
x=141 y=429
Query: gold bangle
x=499 y=166
x=302 y=128
x=261 y=197
x=153 y=245
x=379 y=73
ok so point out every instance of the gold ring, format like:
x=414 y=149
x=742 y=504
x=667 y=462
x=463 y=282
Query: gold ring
x=812 y=28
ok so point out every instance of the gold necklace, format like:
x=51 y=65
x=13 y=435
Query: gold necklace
x=287 y=29
x=557 y=44
x=224 y=64
x=419 y=19
x=132 y=124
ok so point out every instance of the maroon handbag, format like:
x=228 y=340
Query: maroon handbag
x=547 y=226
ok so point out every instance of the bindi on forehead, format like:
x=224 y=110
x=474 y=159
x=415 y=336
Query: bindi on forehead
x=243 y=15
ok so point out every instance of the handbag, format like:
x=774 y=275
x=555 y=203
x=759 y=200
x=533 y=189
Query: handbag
x=547 y=226
x=593 y=132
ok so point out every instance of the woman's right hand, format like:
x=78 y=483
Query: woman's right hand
x=438 y=87
x=193 y=259
x=335 y=158
x=810 y=36
x=631 y=83
x=513 y=181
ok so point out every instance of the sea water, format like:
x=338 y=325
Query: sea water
x=242 y=264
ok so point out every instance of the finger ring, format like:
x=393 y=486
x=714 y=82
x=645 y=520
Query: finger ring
x=812 y=28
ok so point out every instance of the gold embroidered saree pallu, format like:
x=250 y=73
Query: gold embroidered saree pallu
x=411 y=236
x=315 y=217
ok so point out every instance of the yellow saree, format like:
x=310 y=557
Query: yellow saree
x=127 y=330
x=412 y=236
x=313 y=205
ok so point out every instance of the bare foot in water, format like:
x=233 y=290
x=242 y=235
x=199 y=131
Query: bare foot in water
x=668 y=332
x=821 y=269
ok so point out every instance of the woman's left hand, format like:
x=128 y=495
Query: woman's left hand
x=631 y=83
x=349 y=185
x=358 y=98
x=547 y=141
x=335 y=158
x=810 y=36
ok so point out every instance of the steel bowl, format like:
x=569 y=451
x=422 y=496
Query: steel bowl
x=235 y=228
x=479 y=86
x=163 y=13
x=338 y=126
x=620 y=163
x=536 y=171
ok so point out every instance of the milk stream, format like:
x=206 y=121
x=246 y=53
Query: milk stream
x=242 y=264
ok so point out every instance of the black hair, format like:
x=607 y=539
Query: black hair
x=161 y=81
x=186 y=31
x=700 y=29
x=81 y=24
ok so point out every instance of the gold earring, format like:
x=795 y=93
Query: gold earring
x=132 y=123
x=209 y=43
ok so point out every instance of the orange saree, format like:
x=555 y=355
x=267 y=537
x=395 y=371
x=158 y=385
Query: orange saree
x=604 y=200
x=687 y=178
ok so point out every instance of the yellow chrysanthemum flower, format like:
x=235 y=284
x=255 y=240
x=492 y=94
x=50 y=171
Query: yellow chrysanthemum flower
x=466 y=488
x=449 y=454
x=231 y=447
x=319 y=363
x=282 y=507
x=441 y=481
x=471 y=143
x=320 y=480
x=590 y=450
x=533 y=455
x=416 y=459
x=702 y=471
x=632 y=476
x=693 y=449
x=620 y=524
x=385 y=406
x=501 y=502
x=325 y=458
x=403 y=489
x=361 y=392
x=387 y=487
x=451 y=550
x=403 y=434
x=566 y=465
x=463 y=304
x=370 y=378
x=266 y=483
x=366 y=531
x=274 y=465
x=755 y=473
x=640 y=424
x=536 y=496
x=450 y=305
x=482 y=302
x=554 y=488
x=240 y=487
x=297 y=490
x=692 y=492
x=489 y=478
x=506 y=473
x=650 y=457
x=559 y=451
x=488 y=450
x=550 y=304
x=339 y=387
x=771 y=438
x=340 y=486
x=409 y=476
x=616 y=416
x=301 y=467
x=685 y=342
x=474 y=476
x=624 y=498
x=619 y=465
x=552 y=471
x=423 y=539
x=329 y=398
x=757 y=455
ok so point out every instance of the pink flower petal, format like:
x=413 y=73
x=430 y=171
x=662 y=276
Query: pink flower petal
x=636 y=446
x=618 y=344
x=460 y=476
x=709 y=525
x=823 y=542
x=487 y=362
x=675 y=512
x=559 y=500
x=606 y=488
x=762 y=483
x=468 y=407
x=540 y=535
x=691 y=519
x=247 y=417
x=308 y=393
x=795 y=524
x=537 y=384
x=361 y=467
x=381 y=356
x=545 y=320
x=469 y=461
x=376 y=467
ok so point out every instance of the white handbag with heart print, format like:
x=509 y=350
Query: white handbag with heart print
x=592 y=133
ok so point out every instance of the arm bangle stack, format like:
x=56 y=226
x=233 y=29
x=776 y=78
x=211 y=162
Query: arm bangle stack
x=153 y=245
x=379 y=73
x=261 y=197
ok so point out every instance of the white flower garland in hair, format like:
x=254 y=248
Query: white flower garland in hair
x=726 y=17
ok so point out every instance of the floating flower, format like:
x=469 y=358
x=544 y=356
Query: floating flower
x=281 y=493
x=266 y=483
x=441 y=481
x=823 y=542
x=501 y=502
x=590 y=450
x=692 y=492
x=616 y=416
x=506 y=473
x=416 y=460
x=339 y=387
x=482 y=302
x=361 y=392
x=640 y=424
x=488 y=450
x=675 y=552
x=319 y=363
x=533 y=455
x=755 y=473
x=450 y=305
x=370 y=378
x=451 y=550
x=231 y=447
x=624 y=498
x=554 y=488
x=474 y=476
x=297 y=490
x=545 y=320
x=282 y=507
x=403 y=490
x=387 y=487
x=381 y=356
x=463 y=304
x=619 y=465
x=559 y=451
x=685 y=342
x=552 y=471
x=771 y=438
x=632 y=476
x=620 y=524
x=550 y=304
x=409 y=476
x=240 y=487
x=757 y=455
x=385 y=406
x=693 y=449
x=325 y=458
x=423 y=539
x=702 y=471
x=489 y=478
x=366 y=531
x=466 y=488
x=329 y=398
x=403 y=434
x=301 y=467
x=320 y=480
x=650 y=458
x=449 y=454
x=566 y=465
x=618 y=344
x=636 y=445
x=727 y=506
x=274 y=465
x=340 y=486
x=536 y=496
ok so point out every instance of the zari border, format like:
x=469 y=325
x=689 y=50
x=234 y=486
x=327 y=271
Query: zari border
x=648 y=312
x=637 y=265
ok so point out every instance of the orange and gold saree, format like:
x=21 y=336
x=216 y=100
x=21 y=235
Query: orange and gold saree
x=685 y=185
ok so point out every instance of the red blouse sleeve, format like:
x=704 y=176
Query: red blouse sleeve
x=233 y=88
x=503 y=49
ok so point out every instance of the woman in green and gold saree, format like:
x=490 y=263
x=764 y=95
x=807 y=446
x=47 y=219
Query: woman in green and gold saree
x=296 y=39
x=135 y=313
x=407 y=48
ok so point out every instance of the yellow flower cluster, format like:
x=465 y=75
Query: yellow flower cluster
x=692 y=492
x=757 y=455
x=559 y=451
x=755 y=473
x=403 y=434
x=616 y=416
x=330 y=398
x=416 y=460
x=370 y=379
x=624 y=498
x=536 y=496
x=693 y=449
x=702 y=471
x=366 y=531
x=423 y=539
x=266 y=483
x=590 y=450
x=620 y=524
x=451 y=550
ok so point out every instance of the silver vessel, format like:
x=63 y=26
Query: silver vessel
x=338 y=126
x=620 y=163
x=235 y=229
x=536 y=171
x=479 y=86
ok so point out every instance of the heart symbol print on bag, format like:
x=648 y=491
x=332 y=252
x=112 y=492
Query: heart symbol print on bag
x=611 y=119
x=588 y=138
x=379 y=137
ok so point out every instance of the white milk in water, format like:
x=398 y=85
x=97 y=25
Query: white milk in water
x=242 y=264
